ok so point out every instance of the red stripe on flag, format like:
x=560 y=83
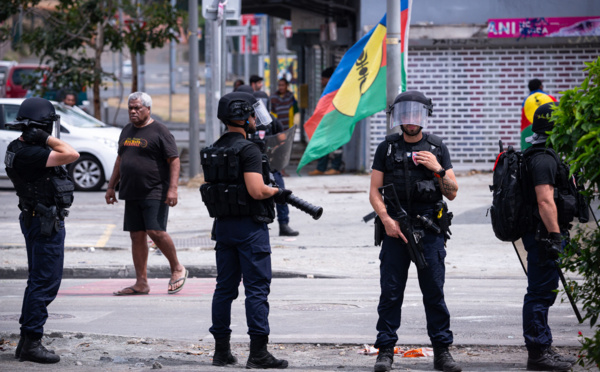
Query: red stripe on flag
x=324 y=106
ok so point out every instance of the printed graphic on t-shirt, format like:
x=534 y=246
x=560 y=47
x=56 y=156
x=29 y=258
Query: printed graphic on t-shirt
x=135 y=142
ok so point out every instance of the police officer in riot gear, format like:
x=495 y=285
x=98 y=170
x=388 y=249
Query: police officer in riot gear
x=243 y=204
x=544 y=241
x=263 y=130
x=34 y=163
x=419 y=167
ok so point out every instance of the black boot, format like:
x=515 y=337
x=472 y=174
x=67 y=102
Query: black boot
x=19 y=347
x=545 y=360
x=385 y=358
x=260 y=358
x=223 y=354
x=443 y=361
x=286 y=230
x=562 y=358
x=33 y=351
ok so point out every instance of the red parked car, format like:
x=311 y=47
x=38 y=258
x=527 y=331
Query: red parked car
x=17 y=75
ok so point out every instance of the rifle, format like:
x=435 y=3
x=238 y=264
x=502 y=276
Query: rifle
x=414 y=245
x=369 y=217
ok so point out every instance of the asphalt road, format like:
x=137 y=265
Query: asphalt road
x=325 y=289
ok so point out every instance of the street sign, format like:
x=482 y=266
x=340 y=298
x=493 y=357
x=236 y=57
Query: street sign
x=241 y=30
x=232 y=9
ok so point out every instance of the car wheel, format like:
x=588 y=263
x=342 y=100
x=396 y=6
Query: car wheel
x=87 y=173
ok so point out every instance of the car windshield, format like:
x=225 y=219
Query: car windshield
x=77 y=117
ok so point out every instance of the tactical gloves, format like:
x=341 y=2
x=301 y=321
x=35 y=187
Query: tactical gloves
x=281 y=196
x=553 y=246
x=35 y=136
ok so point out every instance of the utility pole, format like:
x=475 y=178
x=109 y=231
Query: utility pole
x=194 y=146
x=273 y=62
x=393 y=43
x=171 y=69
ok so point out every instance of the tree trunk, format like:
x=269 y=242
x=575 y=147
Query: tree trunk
x=134 y=72
x=98 y=70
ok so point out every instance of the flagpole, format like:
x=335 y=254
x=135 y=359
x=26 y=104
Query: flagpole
x=393 y=54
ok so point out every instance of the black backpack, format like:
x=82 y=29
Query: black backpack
x=511 y=209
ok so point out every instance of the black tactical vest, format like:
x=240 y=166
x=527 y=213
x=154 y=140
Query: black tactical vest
x=412 y=182
x=225 y=193
x=53 y=187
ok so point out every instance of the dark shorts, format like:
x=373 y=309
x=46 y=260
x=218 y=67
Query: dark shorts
x=144 y=215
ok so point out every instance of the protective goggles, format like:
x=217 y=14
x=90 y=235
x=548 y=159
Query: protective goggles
x=409 y=112
x=262 y=115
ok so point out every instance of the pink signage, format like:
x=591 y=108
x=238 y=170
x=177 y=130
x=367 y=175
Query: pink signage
x=543 y=27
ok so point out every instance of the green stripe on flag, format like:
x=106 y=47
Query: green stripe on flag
x=335 y=129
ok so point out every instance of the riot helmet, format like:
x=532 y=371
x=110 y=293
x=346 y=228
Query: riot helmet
x=235 y=106
x=541 y=123
x=35 y=112
x=410 y=107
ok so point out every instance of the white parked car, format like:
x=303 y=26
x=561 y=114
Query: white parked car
x=96 y=142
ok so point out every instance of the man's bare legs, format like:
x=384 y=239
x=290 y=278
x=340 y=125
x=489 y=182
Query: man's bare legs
x=139 y=252
x=164 y=242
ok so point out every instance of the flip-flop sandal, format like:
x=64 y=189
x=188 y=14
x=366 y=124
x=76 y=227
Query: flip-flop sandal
x=134 y=292
x=172 y=284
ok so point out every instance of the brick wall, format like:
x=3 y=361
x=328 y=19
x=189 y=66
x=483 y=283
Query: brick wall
x=478 y=92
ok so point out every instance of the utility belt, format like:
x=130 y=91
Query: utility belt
x=50 y=217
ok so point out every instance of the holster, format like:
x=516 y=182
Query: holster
x=379 y=231
x=49 y=219
x=444 y=218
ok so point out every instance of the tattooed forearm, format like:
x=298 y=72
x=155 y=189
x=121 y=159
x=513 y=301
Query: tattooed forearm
x=447 y=186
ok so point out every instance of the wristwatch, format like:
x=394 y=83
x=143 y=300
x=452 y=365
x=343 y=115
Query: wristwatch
x=439 y=174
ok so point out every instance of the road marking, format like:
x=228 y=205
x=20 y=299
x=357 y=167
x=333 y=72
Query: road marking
x=104 y=238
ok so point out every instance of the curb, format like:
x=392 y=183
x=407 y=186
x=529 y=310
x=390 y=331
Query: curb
x=128 y=272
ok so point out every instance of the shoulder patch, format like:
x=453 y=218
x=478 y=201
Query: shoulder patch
x=9 y=159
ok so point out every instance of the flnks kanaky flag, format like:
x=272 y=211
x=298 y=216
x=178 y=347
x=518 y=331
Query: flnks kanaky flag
x=356 y=90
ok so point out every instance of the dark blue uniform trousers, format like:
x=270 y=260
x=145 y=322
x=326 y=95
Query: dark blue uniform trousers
x=243 y=251
x=283 y=211
x=395 y=261
x=45 y=258
x=542 y=282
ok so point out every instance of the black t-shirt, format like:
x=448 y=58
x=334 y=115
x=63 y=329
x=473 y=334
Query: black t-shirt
x=250 y=156
x=381 y=153
x=30 y=162
x=145 y=172
x=543 y=169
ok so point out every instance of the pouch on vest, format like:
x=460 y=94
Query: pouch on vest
x=242 y=198
x=208 y=159
x=208 y=199
x=63 y=191
x=425 y=191
x=223 y=202
x=566 y=206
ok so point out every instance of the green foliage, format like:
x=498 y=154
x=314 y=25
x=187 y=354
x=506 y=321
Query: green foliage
x=157 y=24
x=576 y=132
x=576 y=136
x=66 y=35
x=61 y=41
